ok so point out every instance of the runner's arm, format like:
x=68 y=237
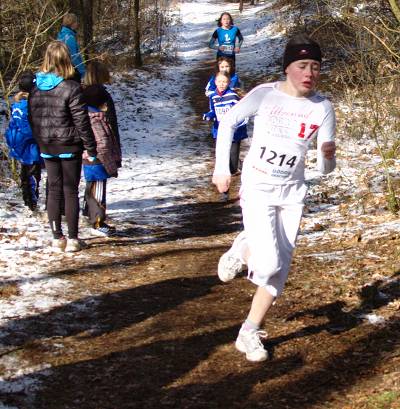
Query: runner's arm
x=210 y=88
x=245 y=108
x=235 y=83
x=211 y=113
x=238 y=39
x=326 y=159
x=212 y=41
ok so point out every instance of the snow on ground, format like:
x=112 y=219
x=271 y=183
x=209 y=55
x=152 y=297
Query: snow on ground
x=165 y=159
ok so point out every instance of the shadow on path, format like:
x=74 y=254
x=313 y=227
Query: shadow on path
x=98 y=315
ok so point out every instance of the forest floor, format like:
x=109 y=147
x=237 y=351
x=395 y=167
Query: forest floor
x=151 y=326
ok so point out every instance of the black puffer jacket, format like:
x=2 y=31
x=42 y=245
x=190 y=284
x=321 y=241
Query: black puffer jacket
x=60 y=121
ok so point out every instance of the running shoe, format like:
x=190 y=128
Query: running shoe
x=59 y=245
x=73 y=245
x=103 y=230
x=230 y=264
x=249 y=342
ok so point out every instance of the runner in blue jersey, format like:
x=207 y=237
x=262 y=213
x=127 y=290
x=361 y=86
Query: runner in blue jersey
x=221 y=101
x=228 y=36
x=226 y=65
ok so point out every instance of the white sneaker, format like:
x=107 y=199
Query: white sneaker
x=73 y=245
x=249 y=342
x=58 y=245
x=230 y=263
x=102 y=231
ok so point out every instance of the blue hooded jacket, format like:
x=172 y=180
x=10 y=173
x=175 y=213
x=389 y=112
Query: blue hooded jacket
x=19 y=138
x=46 y=81
x=68 y=36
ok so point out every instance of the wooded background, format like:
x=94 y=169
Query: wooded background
x=361 y=41
x=109 y=29
x=129 y=32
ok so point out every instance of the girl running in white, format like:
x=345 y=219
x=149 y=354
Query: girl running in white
x=288 y=115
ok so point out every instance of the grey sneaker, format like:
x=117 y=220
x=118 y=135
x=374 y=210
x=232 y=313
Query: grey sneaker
x=73 y=245
x=230 y=263
x=58 y=245
x=249 y=342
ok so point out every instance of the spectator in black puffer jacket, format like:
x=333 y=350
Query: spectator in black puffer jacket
x=60 y=123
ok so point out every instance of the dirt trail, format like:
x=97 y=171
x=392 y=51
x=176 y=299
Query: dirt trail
x=159 y=330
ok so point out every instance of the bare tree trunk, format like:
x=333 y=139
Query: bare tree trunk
x=86 y=12
x=136 y=40
x=158 y=28
x=241 y=5
x=2 y=49
x=74 y=6
x=128 y=26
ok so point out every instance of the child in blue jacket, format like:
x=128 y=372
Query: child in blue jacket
x=227 y=65
x=221 y=101
x=21 y=143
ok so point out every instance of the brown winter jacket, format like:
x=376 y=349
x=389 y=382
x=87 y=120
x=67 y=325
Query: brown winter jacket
x=108 y=152
x=60 y=121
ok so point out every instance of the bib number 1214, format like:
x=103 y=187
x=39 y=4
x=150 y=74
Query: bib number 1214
x=274 y=159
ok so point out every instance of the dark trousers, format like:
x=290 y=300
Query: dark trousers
x=63 y=177
x=47 y=196
x=231 y=56
x=234 y=157
x=95 y=202
x=30 y=178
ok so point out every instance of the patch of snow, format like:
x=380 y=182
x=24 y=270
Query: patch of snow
x=373 y=319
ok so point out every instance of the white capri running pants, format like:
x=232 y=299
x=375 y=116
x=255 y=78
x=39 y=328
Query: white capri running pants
x=271 y=218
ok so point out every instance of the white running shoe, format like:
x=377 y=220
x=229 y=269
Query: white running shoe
x=103 y=230
x=58 y=245
x=230 y=263
x=73 y=245
x=249 y=342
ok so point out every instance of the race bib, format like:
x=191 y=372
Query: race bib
x=228 y=49
x=220 y=111
x=276 y=163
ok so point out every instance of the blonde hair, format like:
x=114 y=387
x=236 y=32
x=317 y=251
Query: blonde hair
x=223 y=74
x=57 y=60
x=96 y=73
x=20 y=96
x=69 y=19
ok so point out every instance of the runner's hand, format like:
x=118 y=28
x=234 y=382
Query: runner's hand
x=328 y=150
x=237 y=50
x=222 y=182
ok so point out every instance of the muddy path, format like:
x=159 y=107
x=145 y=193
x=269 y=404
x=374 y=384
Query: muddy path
x=151 y=326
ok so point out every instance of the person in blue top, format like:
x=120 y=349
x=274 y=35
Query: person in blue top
x=227 y=65
x=221 y=101
x=68 y=36
x=228 y=36
x=21 y=144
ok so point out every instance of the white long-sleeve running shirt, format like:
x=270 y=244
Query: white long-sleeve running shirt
x=284 y=127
